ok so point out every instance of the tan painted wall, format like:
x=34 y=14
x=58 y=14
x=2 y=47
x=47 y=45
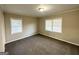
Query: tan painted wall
x=29 y=27
x=2 y=33
x=70 y=27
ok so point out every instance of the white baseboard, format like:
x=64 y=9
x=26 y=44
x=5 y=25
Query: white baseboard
x=19 y=38
x=62 y=40
x=44 y=35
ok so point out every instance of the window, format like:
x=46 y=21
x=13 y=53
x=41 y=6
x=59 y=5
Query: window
x=57 y=25
x=54 y=25
x=16 y=25
x=48 y=25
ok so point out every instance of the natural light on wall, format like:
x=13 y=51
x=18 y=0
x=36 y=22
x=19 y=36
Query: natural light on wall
x=16 y=25
x=54 y=25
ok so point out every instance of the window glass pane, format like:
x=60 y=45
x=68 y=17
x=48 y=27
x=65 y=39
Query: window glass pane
x=48 y=25
x=16 y=26
x=57 y=25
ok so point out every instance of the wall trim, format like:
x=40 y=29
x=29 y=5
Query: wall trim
x=67 y=11
x=61 y=40
x=44 y=35
x=63 y=12
x=19 y=38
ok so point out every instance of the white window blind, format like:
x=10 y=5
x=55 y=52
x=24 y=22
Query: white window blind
x=48 y=25
x=16 y=25
x=54 y=25
x=57 y=25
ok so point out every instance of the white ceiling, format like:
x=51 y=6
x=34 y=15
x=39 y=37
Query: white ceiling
x=32 y=9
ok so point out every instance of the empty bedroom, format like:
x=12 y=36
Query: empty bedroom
x=39 y=29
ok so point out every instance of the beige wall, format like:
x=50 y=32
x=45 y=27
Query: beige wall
x=2 y=33
x=29 y=27
x=70 y=27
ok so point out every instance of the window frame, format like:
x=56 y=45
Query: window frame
x=16 y=19
x=55 y=19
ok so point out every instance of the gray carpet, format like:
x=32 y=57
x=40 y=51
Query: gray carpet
x=41 y=45
x=3 y=53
